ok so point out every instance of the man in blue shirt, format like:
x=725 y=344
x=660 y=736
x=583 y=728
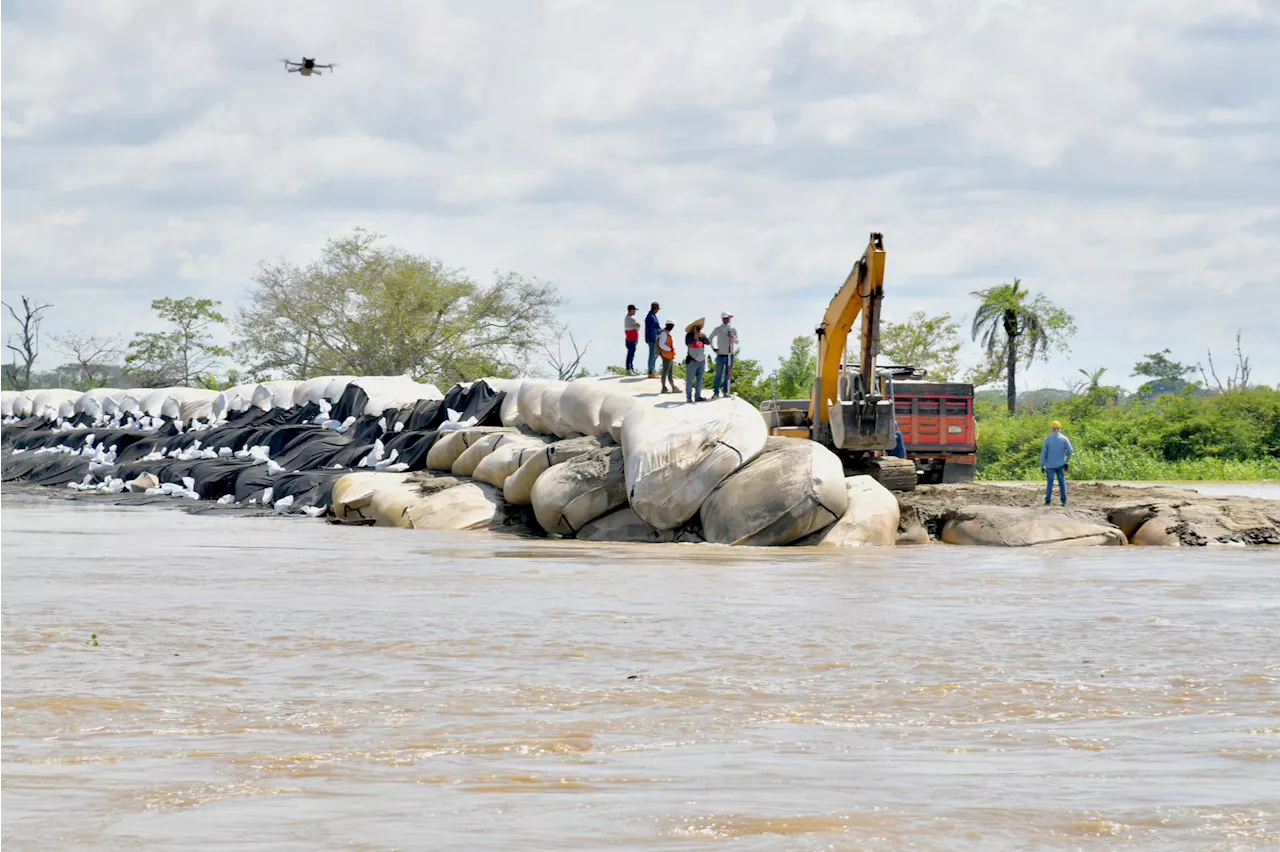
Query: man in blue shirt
x=652 y=328
x=899 y=445
x=1055 y=460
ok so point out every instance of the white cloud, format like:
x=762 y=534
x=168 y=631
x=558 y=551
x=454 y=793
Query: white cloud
x=707 y=155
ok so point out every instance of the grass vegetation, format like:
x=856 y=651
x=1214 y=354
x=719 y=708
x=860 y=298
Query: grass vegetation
x=1189 y=435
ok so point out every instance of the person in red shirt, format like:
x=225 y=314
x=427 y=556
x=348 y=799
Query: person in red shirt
x=631 y=330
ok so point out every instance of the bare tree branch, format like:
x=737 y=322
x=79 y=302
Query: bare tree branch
x=28 y=347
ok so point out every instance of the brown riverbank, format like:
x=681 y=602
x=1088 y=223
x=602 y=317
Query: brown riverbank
x=1162 y=515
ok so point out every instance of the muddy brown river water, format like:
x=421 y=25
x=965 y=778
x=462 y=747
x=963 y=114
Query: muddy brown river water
x=278 y=683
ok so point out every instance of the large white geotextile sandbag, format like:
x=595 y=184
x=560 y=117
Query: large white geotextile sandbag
x=314 y=390
x=794 y=488
x=448 y=446
x=131 y=400
x=233 y=399
x=632 y=393
x=550 y=408
x=395 y=392
x=570 y=495
x=195 y=403
x=416 y=501
x=870 y=521
x=506 y=458
x=584 y=399
x=509 y=410
x=97 y=401
x=465 y=464
x=675 y=457
x=6 y=402
x=50 y=403
x=22 y=405
x=518 y=489
x=529 y=404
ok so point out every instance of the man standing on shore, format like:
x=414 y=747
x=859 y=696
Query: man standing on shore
x=1055 y=460
x=631 y=330
x=652 y=328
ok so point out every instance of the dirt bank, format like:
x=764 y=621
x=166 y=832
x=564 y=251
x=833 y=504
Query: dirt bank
x=1146 y=515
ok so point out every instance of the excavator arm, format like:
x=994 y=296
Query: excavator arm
x=860 y=295
x=850 y=411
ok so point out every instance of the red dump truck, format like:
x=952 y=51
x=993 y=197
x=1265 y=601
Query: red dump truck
x=936 y=419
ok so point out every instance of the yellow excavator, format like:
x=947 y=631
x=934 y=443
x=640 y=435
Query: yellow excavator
x=850 y=409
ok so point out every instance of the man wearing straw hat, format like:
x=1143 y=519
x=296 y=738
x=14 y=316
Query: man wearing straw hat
x=695 y=363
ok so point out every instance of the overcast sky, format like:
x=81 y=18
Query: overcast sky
x=1119 y=157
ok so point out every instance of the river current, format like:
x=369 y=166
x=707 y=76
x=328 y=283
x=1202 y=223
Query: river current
x=279 y=683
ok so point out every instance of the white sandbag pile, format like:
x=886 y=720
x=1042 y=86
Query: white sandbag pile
x=570 y=495
x=792 y=489
x=607 y=458
x=675 y=457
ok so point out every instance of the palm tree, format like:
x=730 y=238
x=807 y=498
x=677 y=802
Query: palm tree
x=1008 y=324
x=1094 y=377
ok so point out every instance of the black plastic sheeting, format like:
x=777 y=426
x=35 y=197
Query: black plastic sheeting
x=312 y=456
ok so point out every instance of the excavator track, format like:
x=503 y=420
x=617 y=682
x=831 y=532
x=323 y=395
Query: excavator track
x=890 y=471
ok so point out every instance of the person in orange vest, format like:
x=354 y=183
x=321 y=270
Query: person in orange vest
x=667 y=349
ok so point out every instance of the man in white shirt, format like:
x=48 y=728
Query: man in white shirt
x=724 y=340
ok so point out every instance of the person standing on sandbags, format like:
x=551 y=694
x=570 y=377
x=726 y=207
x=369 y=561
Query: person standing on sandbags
x=1055 y=460
x=725 y=340
x=652 y=328
x=631 y=331
x=695 y=363
x=667 y=349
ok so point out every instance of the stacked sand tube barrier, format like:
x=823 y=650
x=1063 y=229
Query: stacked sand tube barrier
x=601 y=458
x=598 y=459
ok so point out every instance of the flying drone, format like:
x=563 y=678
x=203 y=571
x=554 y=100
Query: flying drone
x=306 y=67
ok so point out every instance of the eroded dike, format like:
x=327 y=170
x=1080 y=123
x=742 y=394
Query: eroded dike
x=598 y=459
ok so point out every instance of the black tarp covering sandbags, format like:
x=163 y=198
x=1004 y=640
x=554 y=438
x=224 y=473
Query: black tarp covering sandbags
x=45 y=468
x=307 y=488
x=412 y=447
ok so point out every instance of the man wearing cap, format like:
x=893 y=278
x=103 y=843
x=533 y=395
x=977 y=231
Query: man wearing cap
x=652 y=327
x=631 y=331
x=724 y=339
x=1055 y=460
x=667 y=349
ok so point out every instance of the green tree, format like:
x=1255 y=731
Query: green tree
x=185 y=354
x=1164 y=374
x=797 y=371
x=924 y=342
x=365 y=308
x=1024 y=330
x=95 y=357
